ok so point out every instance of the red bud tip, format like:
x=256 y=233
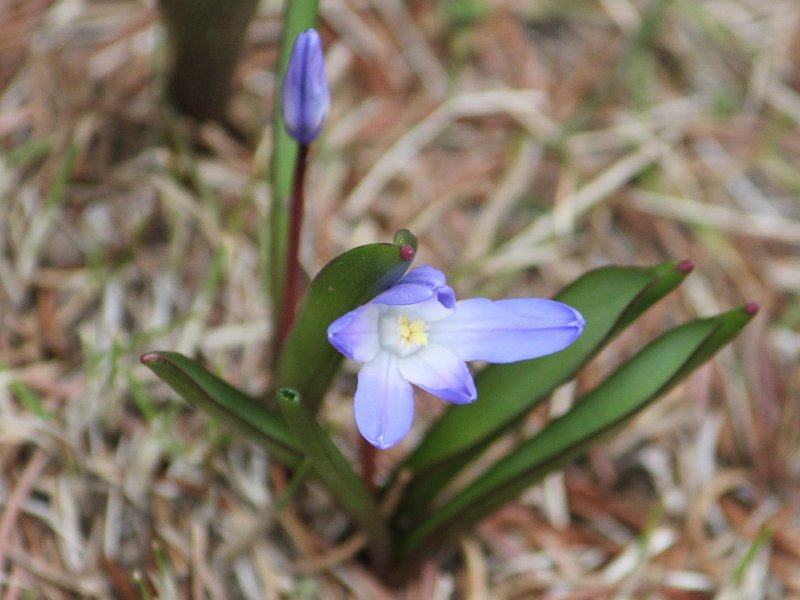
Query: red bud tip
x=685 y=266
x=146 y=359
x=407 y=253
x=752 y=308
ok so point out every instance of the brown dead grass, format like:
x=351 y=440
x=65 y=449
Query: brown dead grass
x=524 y=147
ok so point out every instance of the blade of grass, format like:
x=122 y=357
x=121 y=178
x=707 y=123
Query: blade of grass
x=26 y=396
x=620 y=76
x=31 y=151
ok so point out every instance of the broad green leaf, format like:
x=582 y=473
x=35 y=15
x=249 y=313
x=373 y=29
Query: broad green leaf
x=609 y=298
x=335 y=472
x=242 y=414
x=650 y=373
x=299 y=15
x=308 y=362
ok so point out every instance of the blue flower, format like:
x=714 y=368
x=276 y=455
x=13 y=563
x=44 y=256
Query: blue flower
x=416 y=333
x=306 y=97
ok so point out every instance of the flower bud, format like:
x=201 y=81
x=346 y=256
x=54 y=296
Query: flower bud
x=306 y=97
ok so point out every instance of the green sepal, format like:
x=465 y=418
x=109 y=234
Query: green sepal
x=609 y=298
x=649 y=374
x=244 y=415
x=336 y=474
x=308 y=362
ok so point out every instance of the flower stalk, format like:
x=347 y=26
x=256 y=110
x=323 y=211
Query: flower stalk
x=305 y=101
x=292 y=281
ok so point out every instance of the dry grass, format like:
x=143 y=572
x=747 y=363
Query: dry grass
x=524 y=142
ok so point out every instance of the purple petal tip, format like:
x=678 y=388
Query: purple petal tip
x=685 y=266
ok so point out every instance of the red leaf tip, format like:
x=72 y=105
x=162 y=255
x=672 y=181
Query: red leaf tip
x=407 y=252
x=752 y=308
x=148 y=357
x=685 y=266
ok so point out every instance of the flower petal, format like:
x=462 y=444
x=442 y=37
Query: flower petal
x=384 y=402
x=429 y=311
x=355 y=334
x=437 y=370
x=419 y=285
x=506 y=331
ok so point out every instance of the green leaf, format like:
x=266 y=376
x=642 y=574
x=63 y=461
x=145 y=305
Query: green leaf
x=609 y=298
x=243 y=414
x=308 y=362
x=299 y=15
x=335 y=472
x=655 y=369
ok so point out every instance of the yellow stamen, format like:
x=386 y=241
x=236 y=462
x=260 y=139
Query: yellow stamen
x=412 y=333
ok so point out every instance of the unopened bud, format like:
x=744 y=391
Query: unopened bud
x=306 y=97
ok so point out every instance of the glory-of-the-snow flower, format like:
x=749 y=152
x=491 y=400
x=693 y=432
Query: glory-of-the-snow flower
x=417 y=333
x=305 y=96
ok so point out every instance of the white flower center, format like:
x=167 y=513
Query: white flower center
x=402 y=333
